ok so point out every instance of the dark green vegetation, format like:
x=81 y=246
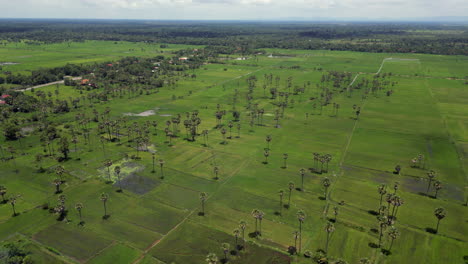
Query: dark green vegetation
x=432 y=38
x=156 y=159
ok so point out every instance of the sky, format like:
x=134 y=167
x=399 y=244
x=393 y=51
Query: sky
x=234 y=9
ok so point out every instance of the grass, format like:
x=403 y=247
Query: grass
x=426 y=114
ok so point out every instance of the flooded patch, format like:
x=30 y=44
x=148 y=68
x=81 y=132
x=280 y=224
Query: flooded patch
x=165 y=115
x=145 y=113
x=8 y=63
x=138 y=184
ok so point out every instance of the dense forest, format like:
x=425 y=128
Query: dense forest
x=430 y=38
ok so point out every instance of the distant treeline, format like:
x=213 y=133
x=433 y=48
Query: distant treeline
x=428 y=38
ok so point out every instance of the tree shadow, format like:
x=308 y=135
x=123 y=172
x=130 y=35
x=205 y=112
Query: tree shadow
x=82 y=223
x=223 y=261
x=119 y=191
x=240 y=247
x=277 y=213
x=201 y=214
x=292 y=250
x=386 y=252
x=253 y=234
x=431 y=230
x=373 y=212
x=332 y=220
x=322 y=198
x=105 y=217
x=264 y=162
x=374 y=230
x=233 y=252
x=423 y=194
x=59 y=191
x=15 y=214
x=373 y=245
x=286 y=206
x=298 y=189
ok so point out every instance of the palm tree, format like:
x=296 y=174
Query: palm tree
x=431 y=175
x=399 y=202
x=243 y=226
x=281 y=194
x=238 y=130
x=223 y=133
x=57 y=183
x=397 y=169
x=335 y=212
x=79 y=207
x=260 y=216
x=225 y=247
x=266 y=153
x=117 y=172
x=393 y=234
x=60 y=170
x=437 y=187
x=300 y=217
x=395 y=187
x=211 y=258
x=439 y=214
x=203 y=196
x=216 y=171
x=254 y=214
x=329 y=228
x=326 y=183
x=104 y=197
x=230 y=125
x=108 y=164
x=153 y=159
x=382 y=191
x=383 y=221
x=236 y=232
x=296 y=236
x=291 y=187
x=12 y=201
x=161 y=164
x=268 y=140
x=3 y=191
x=302 y=172
x=285 y=158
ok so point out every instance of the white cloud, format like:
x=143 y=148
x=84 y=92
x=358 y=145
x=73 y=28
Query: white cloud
x=232 y=9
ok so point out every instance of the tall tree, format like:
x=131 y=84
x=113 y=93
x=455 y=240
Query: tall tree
x=161 y=165
x=302 y=172
x=104 y=197
x=108 y=164
x=266 y=153
x=437 y=187
x=203 y=196
x=329 y=228
x=79 y=208
x=326 y=183
x=57 y=183
x=268 y=140
x=382 y=189
x=290 y=187
x=393 y=234
x=285 y=158
x=12 y=201
x=236 y=232
x=440 y=214
x=225 y=247
x=300 y=217
x=430 y=175
x=335 y=213
x=243 y=226
x=117 y=173
x=281 y=194
x=383 y=222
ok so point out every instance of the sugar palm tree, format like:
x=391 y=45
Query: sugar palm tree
x=230 y=125
x=211 y=258
x=216 y=172
x=12 y=201
x=223 y=133
x=79 y=208
x=254 y=214
x=296 y=236
x=260 y=216
x=3 y=191
x=104 y=197
x=268 y=140
x=281 y=194
x=161 y=165
x=290 y=187
x=329 y=228
x=225 y=247
x=203 y=196
x=393 y=234
x=382 y=191
x=440 y=214
x=335 y=212
x=285 y=158
x=300 y=217
x=431 y=175
x=326 y=183
x=395 y=187
x=302 y=172
x=383 y=222
x=60 y=170
x=57 y=183
x=108 y=164
x=437 y=187
x=117 y=172
x=243 y=226
x=266 y=153
x=236 y=232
